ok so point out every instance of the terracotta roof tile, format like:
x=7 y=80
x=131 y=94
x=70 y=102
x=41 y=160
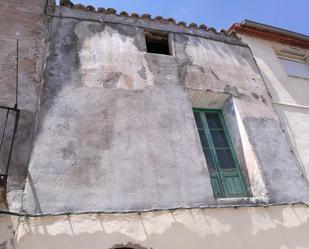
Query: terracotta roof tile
x=212 y=30
x=171 y=20
x=135 y=15
x=111 y=11
x=146 y=16
x=203 y=26
x=90 y=8
x=270 y=33
x=182 y=23
x=160 y=19
x=223 y=31
x=101 y=10
x=66 y=3
x=193 y=25
x=123 y=13
x=80 y=7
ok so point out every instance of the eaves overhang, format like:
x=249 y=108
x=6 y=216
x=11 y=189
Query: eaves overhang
x=267 y=32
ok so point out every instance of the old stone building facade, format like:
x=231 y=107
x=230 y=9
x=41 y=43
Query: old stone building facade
x=140 y=132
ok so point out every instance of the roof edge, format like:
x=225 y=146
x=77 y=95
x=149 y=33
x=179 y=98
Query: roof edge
x=267 y=32
x=146 y=16
x=250 y=23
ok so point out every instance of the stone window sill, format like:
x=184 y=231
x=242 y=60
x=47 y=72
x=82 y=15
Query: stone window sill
x=242 y=201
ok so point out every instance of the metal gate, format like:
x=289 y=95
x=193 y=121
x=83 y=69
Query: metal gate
x=9 y=116
x=8 y=127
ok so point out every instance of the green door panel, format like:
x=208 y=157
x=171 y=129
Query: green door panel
x=218 y=192
x=226 y=177
x=234 y=186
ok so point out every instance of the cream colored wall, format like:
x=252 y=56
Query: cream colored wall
x=289 y=94
x=274 y=227
x=8 y=228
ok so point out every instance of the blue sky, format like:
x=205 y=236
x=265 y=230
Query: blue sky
x=288 y=14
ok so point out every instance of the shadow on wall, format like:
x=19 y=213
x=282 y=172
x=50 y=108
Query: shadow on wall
x=18 y=166
x=273 y=227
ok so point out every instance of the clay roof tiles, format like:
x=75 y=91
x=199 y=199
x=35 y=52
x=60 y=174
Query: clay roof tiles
x=160 y=19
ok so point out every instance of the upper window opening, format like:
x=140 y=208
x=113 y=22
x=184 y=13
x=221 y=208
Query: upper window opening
x=295 y=68
x=157 y=42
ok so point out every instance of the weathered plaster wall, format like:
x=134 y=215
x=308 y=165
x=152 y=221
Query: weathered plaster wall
x=249 y=164
x=229 y=69
x=284 y=227
x=117 y=122
x=289 y=95
x=23 y=20
x=116 y=130
x=8 y=229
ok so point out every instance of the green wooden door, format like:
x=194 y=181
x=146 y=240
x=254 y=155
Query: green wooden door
x=225 y=174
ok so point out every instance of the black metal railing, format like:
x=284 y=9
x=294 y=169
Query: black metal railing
x=9 y=118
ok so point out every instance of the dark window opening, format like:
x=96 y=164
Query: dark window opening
x=157 y=42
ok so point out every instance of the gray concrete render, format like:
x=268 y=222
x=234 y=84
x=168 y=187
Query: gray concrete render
x=115 y=129
x=107 y=127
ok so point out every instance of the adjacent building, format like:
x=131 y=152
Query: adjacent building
x=282 y=57
x=142 y=132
